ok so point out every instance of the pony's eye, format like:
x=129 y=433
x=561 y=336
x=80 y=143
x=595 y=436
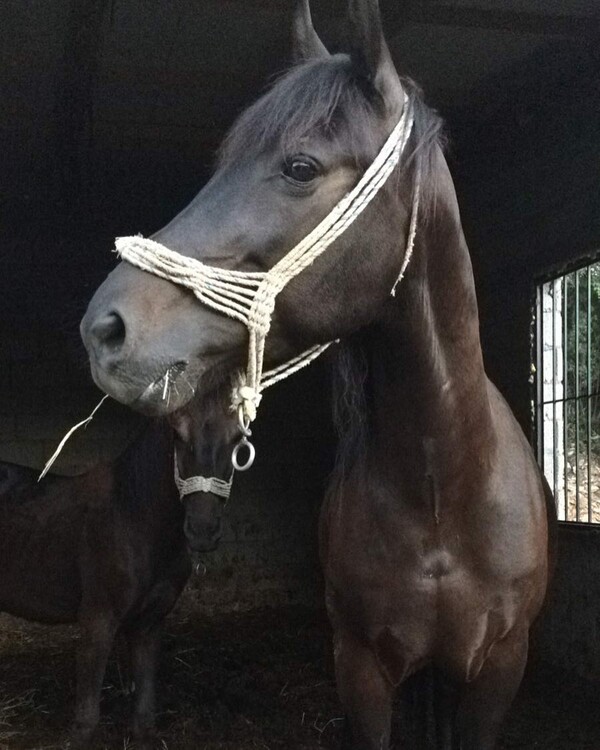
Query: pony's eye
x=301 y=169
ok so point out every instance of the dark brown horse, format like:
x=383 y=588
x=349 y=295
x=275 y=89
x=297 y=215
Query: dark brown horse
x=435 y=529
x=107 y=550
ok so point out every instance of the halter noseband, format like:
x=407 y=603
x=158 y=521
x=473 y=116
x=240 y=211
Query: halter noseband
x=249 y=297
x=201 y=484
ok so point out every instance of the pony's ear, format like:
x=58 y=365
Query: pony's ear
x=370 y=53
x=181 y=422
x=306 y=42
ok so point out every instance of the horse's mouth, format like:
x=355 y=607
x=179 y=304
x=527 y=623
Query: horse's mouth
x=170 y=391
x=199 y=545
x=167 y=393
x=197 y=551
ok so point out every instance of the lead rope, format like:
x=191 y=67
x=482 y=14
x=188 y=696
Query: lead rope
x=412 y=232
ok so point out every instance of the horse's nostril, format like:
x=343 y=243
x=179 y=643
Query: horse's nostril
x=109 y=330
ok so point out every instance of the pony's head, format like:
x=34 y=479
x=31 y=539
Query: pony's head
x=286 y=163
x=204 y=433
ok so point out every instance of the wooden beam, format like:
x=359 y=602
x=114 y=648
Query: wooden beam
x=396 y=13
x=501 y=20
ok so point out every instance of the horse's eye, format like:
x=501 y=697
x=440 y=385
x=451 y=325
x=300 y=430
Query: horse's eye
x=301 y=169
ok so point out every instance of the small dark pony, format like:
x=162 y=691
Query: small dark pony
x=110 y=551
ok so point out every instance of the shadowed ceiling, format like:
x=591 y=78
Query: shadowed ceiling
x=148 y=76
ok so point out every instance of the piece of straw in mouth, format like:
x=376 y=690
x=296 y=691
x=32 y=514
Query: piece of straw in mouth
x=63 y=442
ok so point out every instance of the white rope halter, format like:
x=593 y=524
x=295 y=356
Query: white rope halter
x=250 y=296
x=201 y=484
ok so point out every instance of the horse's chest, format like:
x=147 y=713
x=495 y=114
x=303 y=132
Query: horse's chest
x=417 y=618
x=417 y=601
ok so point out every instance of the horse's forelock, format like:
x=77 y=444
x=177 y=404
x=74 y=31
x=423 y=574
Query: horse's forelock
x=320 y=96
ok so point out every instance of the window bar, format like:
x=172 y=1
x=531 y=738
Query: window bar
x=565 y=393
x=554 y=435
x=589 y=391
x=540 y=375
x=576 y=275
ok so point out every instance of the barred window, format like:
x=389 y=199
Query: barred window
x=568 y=391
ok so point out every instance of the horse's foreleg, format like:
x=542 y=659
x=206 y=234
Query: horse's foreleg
x=144 y=644
x=365 y=694
x=484 y=703
x=444 y=709
x=97 y=638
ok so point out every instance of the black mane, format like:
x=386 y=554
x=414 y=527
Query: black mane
x=144 y=471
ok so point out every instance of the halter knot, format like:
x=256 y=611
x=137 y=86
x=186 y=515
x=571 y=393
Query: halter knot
x=247 y=398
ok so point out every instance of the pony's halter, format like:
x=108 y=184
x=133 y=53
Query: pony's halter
x=250 y=296
x=201 y=484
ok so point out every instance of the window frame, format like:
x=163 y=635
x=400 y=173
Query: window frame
x=554 y=273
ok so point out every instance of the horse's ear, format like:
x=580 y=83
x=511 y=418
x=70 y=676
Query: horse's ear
x=369 y=50
x=306 y=42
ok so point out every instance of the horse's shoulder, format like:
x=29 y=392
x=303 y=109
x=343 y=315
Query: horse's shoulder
x=509 y=432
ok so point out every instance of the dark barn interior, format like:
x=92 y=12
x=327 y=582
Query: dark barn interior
x=110 y=118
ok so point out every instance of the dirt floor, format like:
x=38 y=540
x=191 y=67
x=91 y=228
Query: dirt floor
x=245 y=681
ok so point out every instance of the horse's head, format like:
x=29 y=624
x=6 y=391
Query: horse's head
x=204 y=436
x=287 y=162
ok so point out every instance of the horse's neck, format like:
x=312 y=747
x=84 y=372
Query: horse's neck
x=428 y=386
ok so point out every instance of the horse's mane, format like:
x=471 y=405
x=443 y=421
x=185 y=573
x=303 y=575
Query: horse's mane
x=331 y=97
x=145 y=468
x=350 y=408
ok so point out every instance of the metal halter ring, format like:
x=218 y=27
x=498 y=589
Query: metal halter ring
x=244 y=443
x=244 y=424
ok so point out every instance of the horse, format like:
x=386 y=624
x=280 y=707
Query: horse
x=435 y=528
x=109 y=550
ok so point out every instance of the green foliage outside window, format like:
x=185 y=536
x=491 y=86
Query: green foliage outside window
x=582 y=306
